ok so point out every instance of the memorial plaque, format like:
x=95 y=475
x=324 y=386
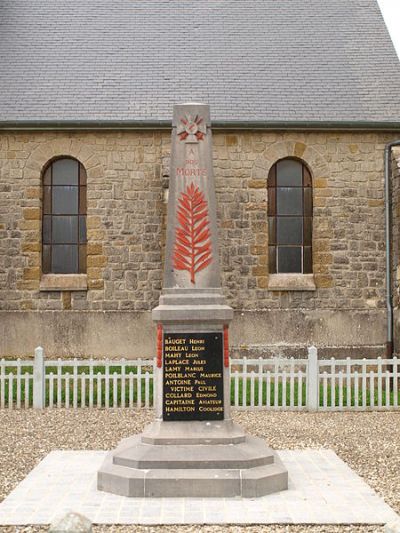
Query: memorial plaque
x=193 y=376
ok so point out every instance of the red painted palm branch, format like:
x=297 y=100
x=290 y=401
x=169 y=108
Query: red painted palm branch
x=193 y=244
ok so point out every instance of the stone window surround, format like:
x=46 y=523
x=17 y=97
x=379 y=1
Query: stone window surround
x=291 y=282
x=50 y=214
x=34 y=277
x=63 y=282
x=305 y=244
x=261 y=168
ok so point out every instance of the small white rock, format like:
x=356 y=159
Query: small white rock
x=71 y=522
x=393 y=527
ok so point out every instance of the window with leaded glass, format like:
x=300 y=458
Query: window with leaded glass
x=64 y=217
x=290 y=217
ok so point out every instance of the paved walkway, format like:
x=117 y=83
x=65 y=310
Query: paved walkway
x=322 y=490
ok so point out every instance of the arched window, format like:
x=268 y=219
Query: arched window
x=64 y=217
x=290 y=217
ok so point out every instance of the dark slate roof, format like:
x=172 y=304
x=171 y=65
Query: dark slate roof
x=251 y=60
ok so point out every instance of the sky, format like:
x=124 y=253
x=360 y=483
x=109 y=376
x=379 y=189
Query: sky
x=391 y=13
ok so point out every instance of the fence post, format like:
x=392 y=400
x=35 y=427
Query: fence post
x=39 y=379
x=312 y=379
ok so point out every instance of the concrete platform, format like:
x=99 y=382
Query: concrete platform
x=209 y=459
x=322 y=490
x=248 y=469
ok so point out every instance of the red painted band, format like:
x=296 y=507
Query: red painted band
x=226 y=347
x=159 y=345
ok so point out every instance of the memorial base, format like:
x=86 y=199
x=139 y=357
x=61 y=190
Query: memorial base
x=192 y=459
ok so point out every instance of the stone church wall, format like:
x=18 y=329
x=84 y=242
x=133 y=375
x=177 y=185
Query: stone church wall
x=395 y=196
x=127 y=187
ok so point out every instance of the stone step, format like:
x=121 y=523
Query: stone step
x=193 y=432
x=251 y=453
x=200 y=483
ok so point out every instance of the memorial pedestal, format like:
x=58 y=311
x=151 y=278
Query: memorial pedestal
x=193 y=449
x=186 y=459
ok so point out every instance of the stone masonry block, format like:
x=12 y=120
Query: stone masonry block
x=258 y=250
x=322 y=258
x=96 y=261
x=26 y=285
x=94 y=248
x=354 y=148
x=323 y=281
x=94 y=273
x=259 y=226
x=95 y=234
x=95 y=284
x=299 y=149
x=375 y=202
x=262 y=282
x=95 y=172
x=260 y=173
x=31 y=247
x=257 y=184
x=319 y=202
x=262 y=240
x=260 y=271
x=31 y=273
x=93 y=222
x=66 y=300
x=321 y=245
x=231 y=140
x=30 y=224
x=33 y=192
x=31 y=213
x=34 y=260
x=320 y=183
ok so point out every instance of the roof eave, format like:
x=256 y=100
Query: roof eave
x=43 y=125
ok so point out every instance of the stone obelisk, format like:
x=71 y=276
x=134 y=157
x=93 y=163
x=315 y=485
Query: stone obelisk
x=192 y=448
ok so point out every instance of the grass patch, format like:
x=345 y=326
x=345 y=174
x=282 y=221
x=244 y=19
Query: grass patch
x=116 y=395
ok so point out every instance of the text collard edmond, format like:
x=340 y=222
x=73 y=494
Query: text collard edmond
x=193 y=384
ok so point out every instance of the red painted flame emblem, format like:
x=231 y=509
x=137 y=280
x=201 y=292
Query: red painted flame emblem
x=191 y=128
x=193 y=238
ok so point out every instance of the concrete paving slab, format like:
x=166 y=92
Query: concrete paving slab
x=322 y=490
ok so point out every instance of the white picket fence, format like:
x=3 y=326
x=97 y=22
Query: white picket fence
x=269 y=383
x=277 y=383
x=359 y=384
x=312 y=384
x=76 y=383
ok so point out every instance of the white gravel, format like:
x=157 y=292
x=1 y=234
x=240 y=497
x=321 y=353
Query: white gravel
x=367 y=442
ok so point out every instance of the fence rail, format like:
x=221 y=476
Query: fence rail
x=276 y=383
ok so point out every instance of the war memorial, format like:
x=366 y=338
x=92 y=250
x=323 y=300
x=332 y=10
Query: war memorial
x=193 y=448
x=199 y=317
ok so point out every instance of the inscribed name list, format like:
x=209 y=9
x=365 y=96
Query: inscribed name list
x=193 y=380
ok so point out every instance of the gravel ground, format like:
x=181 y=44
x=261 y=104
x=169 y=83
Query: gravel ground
x=367 y=442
